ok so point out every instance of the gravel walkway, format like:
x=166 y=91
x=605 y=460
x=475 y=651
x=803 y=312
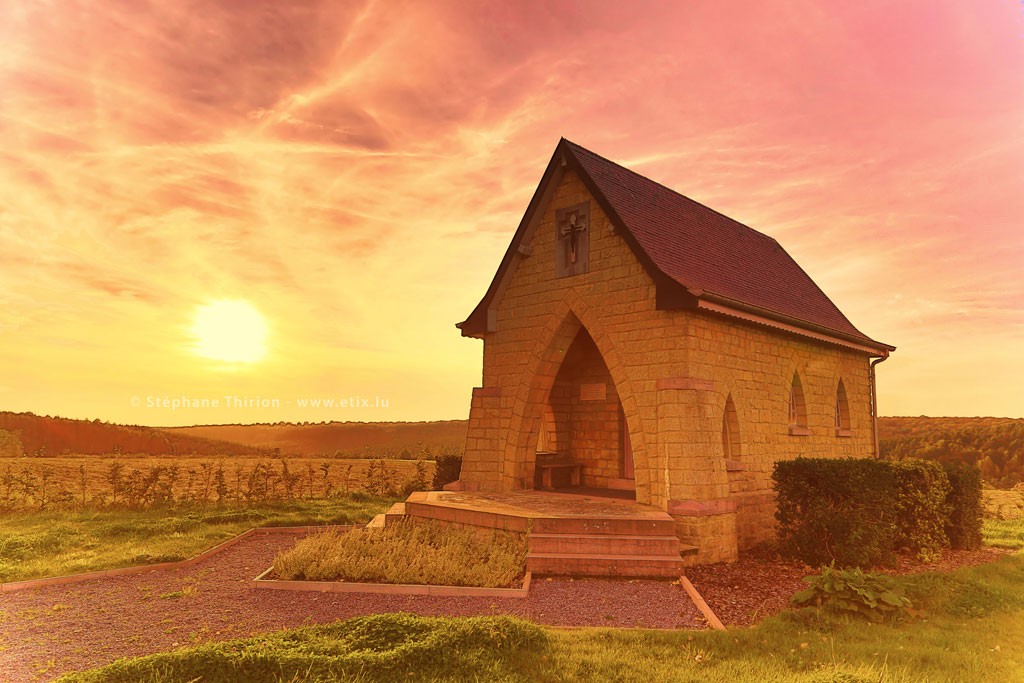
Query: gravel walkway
x=46 y=632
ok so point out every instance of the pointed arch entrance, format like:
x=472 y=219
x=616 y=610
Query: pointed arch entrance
x=575 y=392
x=587 y=422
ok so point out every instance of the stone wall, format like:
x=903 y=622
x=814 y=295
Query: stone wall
x=672 y=372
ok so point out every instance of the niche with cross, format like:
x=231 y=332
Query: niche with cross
x=572 y=240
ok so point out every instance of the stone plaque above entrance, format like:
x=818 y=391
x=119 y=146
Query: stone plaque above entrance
x=593 y=392
x=572 y=240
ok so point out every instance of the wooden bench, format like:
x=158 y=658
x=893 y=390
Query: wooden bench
x=546 y=469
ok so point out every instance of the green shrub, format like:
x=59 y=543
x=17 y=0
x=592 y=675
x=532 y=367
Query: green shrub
x=407 y=551
x=418 y=481
x=965 y=507
x=874 y=596
x=858 y=513
x=920 y=508
x=381 y=479
x=447 y=468
x=835 y=511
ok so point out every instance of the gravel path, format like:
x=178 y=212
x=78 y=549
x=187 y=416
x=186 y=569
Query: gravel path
x=46 y=632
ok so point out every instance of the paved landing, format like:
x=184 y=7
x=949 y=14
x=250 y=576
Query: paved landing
x=540 y=504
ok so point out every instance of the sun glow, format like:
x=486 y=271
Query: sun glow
x=232 y=331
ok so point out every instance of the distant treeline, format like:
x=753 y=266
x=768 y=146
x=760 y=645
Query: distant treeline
x=996 y=445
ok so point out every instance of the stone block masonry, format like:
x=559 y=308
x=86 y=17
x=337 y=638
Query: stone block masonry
x=668 y=375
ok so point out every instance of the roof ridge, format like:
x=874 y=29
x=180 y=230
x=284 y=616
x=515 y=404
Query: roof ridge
x=669 y=189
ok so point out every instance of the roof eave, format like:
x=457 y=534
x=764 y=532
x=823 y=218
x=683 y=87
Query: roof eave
x=709 y=301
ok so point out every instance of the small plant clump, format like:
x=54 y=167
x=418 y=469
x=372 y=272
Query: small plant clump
x=448 y=468
x=417 y=552
x=852 y=591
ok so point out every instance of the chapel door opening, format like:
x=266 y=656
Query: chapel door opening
x=583 y=439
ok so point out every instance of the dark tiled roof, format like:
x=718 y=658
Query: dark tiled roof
x=686 y=246
x=703 y=250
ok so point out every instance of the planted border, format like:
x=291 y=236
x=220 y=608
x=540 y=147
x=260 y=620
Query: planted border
x=409 y=551
x=393 y=588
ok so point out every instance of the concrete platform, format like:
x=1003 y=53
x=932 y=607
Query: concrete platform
x=570 y=534
x=540 y=504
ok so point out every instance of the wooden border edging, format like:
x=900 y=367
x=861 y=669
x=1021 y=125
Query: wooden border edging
x=177 y=564
x=705 y=609
x=393 y=588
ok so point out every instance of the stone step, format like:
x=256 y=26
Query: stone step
x=595 y=565
x=603 y=544
x=482 y=518
x=620 y=526
x=687 y=550
x=395 y=513
x=377 y=522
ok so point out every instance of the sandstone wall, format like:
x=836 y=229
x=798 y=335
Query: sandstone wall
x=672 y=372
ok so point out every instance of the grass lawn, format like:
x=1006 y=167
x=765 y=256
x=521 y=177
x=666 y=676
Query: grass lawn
x=1004 y=533
x=972 y=630
x=41 y=544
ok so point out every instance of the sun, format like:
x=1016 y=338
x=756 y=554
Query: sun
x=230 y=330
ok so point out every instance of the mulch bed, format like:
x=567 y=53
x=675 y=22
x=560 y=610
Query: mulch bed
x=761 y=583
x=950 y=561
x=743 y=592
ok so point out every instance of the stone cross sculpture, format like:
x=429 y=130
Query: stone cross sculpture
x=572 y=255
x=572 y=229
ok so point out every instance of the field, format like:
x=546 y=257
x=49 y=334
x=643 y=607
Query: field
x=93 y=481
x=1004 y=523
x=353 y=439
x=29 y=434
x=41 y=544
x=1001 y=504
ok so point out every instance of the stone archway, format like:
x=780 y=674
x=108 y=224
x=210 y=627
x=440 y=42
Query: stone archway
x=564 y=324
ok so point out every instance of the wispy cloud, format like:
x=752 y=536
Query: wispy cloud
x=356 y=170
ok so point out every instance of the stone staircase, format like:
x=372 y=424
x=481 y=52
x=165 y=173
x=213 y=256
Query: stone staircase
x=394 y=513
x=608 y=546
x=615 y=544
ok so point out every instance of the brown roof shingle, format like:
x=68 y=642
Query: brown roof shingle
x=710 y=255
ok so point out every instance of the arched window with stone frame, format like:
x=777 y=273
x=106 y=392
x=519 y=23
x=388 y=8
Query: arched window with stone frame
x=842 y=411
x=731 y=436
x=797 y=408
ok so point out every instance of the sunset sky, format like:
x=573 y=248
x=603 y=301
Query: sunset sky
x=353 y=172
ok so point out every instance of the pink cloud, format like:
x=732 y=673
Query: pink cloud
x=357 y=169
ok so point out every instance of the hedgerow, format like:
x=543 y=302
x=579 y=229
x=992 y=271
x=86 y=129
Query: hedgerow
x=963 y=525
x=860 y=513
